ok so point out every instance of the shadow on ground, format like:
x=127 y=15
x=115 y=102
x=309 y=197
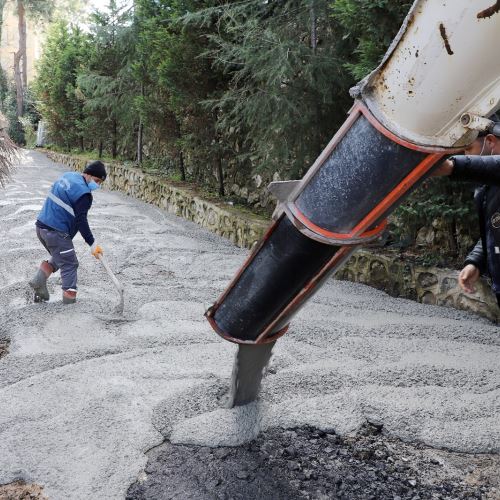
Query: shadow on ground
x=4 y=347
x=306 y=463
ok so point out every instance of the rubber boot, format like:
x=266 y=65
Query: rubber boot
x=39 y=282
x=69 y=296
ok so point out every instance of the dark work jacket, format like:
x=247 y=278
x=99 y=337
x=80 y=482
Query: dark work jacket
x=483 y=170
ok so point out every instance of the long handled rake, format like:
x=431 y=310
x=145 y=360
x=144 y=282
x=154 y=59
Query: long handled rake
x=114 y=279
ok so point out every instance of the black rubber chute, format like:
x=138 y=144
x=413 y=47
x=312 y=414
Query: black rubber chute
x=276 y=274
x=363 y=168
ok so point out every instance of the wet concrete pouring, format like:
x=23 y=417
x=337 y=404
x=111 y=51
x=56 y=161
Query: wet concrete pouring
x=367 y=396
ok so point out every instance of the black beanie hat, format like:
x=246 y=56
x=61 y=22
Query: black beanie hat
x=96 y=168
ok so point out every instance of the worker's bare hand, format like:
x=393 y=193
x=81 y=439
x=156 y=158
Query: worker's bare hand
x=468 y=277
x=446 y=168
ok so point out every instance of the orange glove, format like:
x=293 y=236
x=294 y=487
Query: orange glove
x=96 y=250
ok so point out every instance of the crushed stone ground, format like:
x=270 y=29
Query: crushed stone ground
x=84 y=395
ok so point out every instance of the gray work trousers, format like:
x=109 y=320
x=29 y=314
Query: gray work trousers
x=62 y=255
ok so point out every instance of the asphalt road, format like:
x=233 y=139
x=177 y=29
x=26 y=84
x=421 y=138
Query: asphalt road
x=84 y=395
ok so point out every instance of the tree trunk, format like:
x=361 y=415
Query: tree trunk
x=220 y=177
x=140 y=133
x=452 y=225
x=81 y=134
x=182 y=168
x=314 y=45
x=114 y=145
x=454 y=243
x=21 y=19
x=101 y=146
x=314 y=28
x=2 y=5
x=19 y=85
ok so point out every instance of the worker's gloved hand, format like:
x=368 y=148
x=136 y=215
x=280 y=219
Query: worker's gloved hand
x=96 y=250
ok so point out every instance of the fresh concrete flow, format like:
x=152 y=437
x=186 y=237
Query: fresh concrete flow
x=84 y=394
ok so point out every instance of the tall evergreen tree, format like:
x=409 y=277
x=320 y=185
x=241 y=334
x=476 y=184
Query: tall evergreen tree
x=369 y=27
x=180 y=79
x=66 y=52
x=106 y=84
x=288 y=86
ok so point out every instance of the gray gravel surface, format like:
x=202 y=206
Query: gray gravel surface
x=84 y=395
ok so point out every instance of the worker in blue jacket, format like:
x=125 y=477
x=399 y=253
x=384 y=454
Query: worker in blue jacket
x=64 y=214
x=481 y=164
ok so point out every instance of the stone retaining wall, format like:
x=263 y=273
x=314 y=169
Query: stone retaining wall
x=425 y=284
x=429 y=285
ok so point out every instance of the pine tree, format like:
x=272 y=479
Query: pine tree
x=106 y=85
x=179 y=80
x=288 y=86
x=66 y=51
x=369 y=27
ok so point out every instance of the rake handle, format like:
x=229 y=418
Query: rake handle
x=114 y=279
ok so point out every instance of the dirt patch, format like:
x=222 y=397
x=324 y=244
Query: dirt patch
x=19 y=490
x=306 y=463
x=4 y=348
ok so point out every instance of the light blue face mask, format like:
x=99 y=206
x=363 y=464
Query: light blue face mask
x=93 y=185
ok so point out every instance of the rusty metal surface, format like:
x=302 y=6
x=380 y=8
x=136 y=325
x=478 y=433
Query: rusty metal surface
x=490 y=11
x=442 y=63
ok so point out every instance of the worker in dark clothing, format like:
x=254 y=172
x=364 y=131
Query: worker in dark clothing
x=481 y=164
x=64 y=214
